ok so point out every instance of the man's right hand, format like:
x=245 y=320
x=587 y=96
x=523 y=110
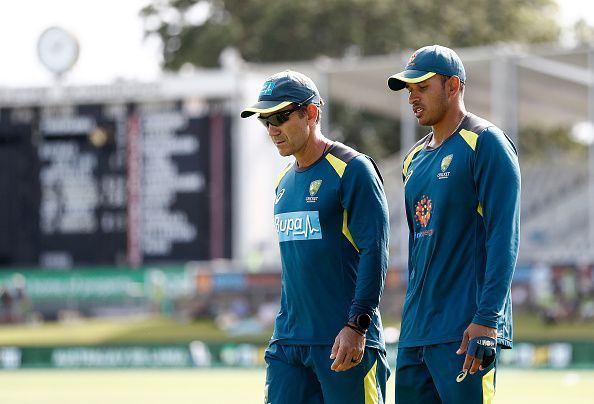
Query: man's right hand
x=348 y=350
x=471 y=363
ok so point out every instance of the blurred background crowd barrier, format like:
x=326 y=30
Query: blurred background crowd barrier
x=237 y=307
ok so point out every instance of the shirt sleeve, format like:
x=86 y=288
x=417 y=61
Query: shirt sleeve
x=363 y=198
x=497 y=178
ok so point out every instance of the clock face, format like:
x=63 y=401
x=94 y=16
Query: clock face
x=57 y=49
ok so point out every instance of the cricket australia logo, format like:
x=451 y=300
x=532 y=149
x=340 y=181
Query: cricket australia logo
x=313 y=189
x=295 y=226
x=445 y=163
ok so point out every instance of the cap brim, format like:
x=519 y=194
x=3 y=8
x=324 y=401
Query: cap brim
x=399 y=80
x=264 y=107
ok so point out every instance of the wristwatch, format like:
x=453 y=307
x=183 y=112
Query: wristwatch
x=361 y=322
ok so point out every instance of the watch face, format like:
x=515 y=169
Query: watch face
x=57 y=49
x=364 y=321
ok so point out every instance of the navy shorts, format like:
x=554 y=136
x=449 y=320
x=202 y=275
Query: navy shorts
x=301 y=374
x=431 y=375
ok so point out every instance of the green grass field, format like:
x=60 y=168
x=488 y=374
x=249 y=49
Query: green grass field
x=230 y=386
x=233 y=386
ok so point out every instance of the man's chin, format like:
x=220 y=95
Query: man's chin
x=284 y=152
x=423 y=121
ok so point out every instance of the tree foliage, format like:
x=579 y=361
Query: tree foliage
x=197 y=31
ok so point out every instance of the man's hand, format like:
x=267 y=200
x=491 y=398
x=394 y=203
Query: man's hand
x=347 y=350
x=471 y=363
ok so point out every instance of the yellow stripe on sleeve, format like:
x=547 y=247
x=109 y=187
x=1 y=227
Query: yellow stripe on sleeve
x=489 y=387
x=479 y=209
x=409 y=158
x=346 y=231
x=336 y=163
x=469 y=137
x=371 y=396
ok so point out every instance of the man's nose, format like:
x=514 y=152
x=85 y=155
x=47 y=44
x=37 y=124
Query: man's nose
x=273 y=130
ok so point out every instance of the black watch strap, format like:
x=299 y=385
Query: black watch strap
x=360 y=322
x=355 y=328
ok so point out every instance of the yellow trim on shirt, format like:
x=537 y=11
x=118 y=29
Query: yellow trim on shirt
x=469 y=137
x=479 y=209
x=346 y=231
x=409 y=158
x=336 y=163
x=371 y=396
x=489 y=387
x=282 y=174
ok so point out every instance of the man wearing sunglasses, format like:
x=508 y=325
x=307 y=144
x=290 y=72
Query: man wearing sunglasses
x=331 y=217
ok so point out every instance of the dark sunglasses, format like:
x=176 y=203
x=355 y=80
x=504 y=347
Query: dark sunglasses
x=279 y=118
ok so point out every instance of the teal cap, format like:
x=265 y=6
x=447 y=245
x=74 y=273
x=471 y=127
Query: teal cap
x=282 y=89
x=426 y=63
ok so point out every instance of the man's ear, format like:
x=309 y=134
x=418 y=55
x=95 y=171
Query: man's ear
x=454 y=85
x=312 y=112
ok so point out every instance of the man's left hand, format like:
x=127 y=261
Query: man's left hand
x=472 y=364
x=348 y=350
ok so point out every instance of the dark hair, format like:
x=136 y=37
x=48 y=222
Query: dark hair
x=302 y=112
x=445 y=78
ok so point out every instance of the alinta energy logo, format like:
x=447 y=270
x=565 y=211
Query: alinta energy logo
x=423 y=215
x=423 y=211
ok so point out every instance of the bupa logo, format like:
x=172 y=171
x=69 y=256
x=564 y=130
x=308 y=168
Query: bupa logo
x=267 y=88
x=294 y=226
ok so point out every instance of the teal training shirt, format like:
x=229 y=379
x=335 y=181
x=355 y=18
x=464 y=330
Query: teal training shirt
x=463 y=211
x=332 y=224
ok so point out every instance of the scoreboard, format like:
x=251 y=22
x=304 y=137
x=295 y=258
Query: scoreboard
x=122 y=183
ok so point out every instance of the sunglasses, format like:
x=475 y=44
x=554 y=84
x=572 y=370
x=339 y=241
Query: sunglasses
x=279 y=118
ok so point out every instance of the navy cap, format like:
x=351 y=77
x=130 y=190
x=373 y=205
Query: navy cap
x=282 y=89
x=426 y=63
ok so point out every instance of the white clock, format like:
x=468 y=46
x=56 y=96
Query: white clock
x=57 y=49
